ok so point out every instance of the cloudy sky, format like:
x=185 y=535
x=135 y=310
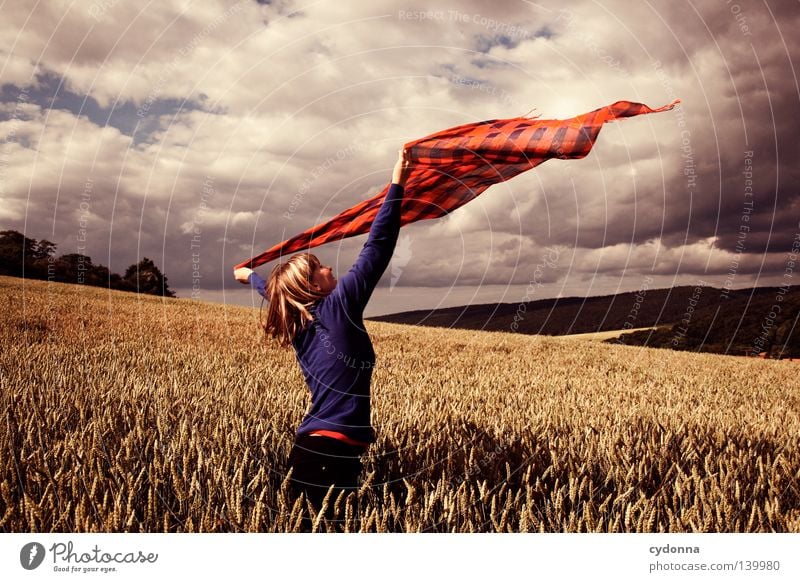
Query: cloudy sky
x=199 y=133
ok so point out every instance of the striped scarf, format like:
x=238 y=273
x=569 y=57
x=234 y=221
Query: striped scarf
x=455 y=165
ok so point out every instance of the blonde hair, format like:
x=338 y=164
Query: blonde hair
x=290 y=295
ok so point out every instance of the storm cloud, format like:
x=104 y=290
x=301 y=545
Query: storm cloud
x=200 y=133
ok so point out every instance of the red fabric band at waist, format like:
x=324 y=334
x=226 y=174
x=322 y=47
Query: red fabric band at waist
x=339 y=436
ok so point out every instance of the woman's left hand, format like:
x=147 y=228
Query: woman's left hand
x=402 y=168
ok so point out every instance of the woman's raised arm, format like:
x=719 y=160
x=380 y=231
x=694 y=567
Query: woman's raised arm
x=356 y=287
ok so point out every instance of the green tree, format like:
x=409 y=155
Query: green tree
x=73 y=268
x=15 y=248
x=44 y=249
x=23 y=256
x=41 y=259
x=145 y=277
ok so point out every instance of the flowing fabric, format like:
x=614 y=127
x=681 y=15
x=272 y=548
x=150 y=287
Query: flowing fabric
x=454 y=166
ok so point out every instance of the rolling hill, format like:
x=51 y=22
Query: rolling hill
x=700 y=318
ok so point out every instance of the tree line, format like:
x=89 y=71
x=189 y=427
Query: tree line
x=21 y=256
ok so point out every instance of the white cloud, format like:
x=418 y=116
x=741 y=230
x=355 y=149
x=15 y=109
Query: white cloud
x=302 y=114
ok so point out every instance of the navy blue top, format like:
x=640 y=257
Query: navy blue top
x=334 y=351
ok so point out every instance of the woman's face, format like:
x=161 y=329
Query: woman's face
x=322 y=279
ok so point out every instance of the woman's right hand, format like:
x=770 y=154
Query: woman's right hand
x=242 y=275
x=402 y=168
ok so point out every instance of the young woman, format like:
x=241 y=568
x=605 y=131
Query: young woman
x=322 y=318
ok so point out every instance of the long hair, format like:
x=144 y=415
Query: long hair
x=290 y=295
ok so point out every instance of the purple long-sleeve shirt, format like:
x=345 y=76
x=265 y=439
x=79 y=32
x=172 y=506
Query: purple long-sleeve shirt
x=335 y=352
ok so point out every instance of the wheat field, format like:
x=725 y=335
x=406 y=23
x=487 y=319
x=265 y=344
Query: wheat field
x=131 y=413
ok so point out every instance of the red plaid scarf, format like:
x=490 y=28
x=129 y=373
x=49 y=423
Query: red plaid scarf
x=454 y=166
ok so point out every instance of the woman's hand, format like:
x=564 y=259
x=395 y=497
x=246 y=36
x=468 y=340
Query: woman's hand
x=402 y=168
x=242 y=274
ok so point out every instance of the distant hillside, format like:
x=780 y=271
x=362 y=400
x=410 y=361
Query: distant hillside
x=743 y=326
x=696 y=318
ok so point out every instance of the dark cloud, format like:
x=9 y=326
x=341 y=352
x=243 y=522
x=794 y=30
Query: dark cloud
x=259 y=97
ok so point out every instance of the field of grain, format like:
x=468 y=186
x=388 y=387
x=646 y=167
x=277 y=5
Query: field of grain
x=126 y=413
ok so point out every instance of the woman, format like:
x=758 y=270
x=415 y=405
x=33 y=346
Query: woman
x=323 y=320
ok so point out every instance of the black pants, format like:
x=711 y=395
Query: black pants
x=319 y=462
